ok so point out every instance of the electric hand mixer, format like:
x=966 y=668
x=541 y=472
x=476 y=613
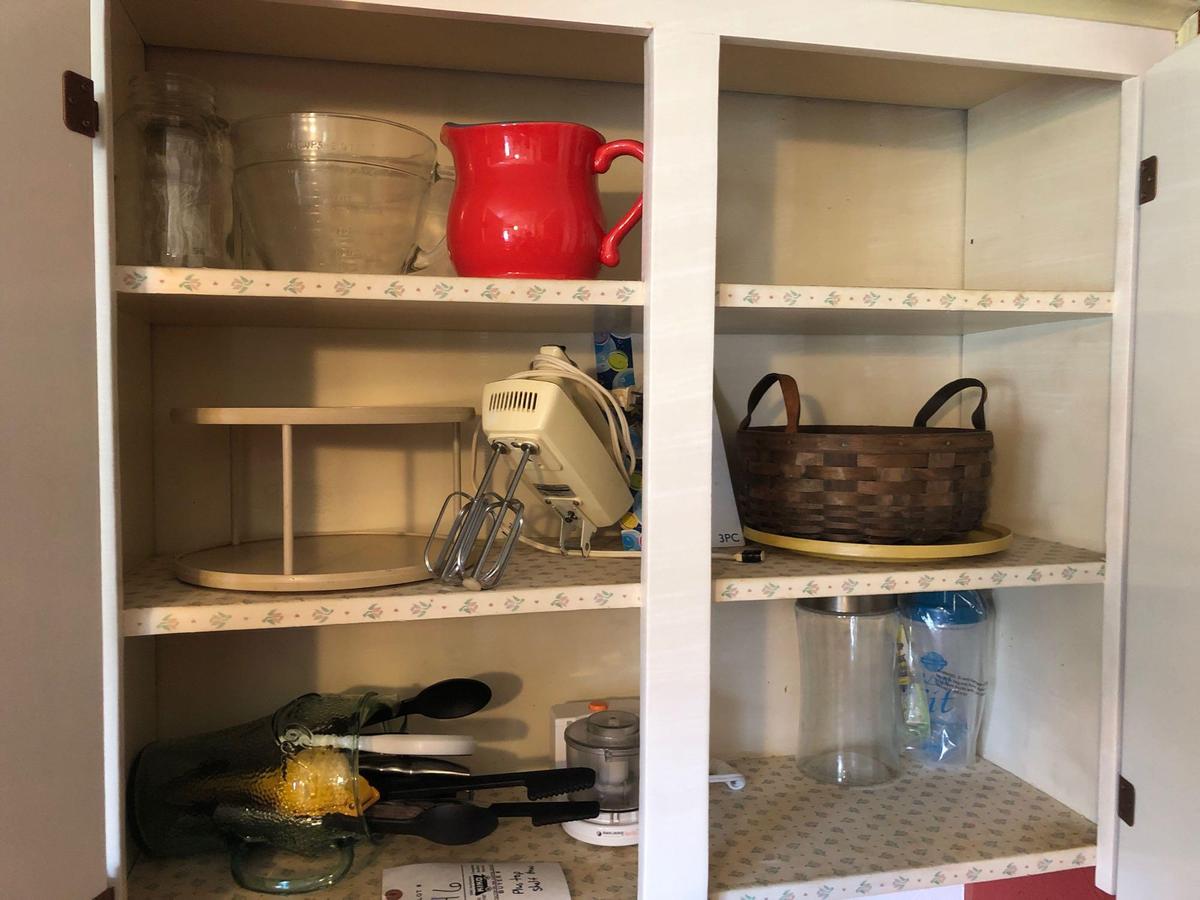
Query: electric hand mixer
x=574 y=449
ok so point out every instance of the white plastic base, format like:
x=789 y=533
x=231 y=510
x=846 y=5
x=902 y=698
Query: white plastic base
x=608 y=830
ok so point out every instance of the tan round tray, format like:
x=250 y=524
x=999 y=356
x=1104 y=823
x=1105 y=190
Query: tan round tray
x=989 y=538
x=322 y=562
x=321 y=415
x=327 y=562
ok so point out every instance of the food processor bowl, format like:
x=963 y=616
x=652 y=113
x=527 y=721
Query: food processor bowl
x=607 y=742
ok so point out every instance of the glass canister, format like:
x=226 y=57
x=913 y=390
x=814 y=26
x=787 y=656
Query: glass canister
x=849 y=689
x=174 y=175
x=607 y=742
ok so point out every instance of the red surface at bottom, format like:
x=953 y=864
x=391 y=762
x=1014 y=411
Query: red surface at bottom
x=1071 y=884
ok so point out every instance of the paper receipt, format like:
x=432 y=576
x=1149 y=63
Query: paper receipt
x=476 y=881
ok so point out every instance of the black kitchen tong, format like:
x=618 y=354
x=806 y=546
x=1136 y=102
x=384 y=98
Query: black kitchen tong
x=456 y=822
x=420 y=796
x=538 y=784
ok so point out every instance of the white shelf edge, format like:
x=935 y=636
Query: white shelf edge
x=286 y=611
x=156 y=602
x=1030 y=562
x=333 y=286
x=833 y=297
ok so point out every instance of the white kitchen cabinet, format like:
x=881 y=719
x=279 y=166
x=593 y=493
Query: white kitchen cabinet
x=875 y=196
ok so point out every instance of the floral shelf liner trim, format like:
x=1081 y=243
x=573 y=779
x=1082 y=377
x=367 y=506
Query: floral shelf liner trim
x=324 y=285
x=827 y=297
x=730 y=589
x=883 y=883
x=261 y=610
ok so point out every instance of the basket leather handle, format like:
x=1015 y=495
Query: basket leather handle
x=791 y=400
x=944 y=393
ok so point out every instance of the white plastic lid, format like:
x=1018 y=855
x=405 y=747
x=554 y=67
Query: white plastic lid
x=611 y=729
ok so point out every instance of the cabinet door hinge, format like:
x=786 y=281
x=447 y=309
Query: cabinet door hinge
x=1148 y=180
x=81 y=112
x=1126 y=800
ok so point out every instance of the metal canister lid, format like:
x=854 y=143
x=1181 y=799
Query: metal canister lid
x=859 y=605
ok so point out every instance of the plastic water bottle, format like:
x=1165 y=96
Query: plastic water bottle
x=949 y=633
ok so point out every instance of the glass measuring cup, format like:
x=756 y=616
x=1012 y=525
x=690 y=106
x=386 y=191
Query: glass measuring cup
x=329 y=192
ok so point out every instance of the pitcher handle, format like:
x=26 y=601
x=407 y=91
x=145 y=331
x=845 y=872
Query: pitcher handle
x=437 y=204
x=605 y=154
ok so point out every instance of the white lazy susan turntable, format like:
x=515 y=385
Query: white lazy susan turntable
x=314 y=562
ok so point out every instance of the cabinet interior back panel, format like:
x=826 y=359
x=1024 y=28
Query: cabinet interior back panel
x=346 y=478
x=1041 y=197
x=1048 y=408
x=843 y=379
x=1048 y=389
x=424 y=99
x=1043 y=717
x=836 y=192
x=532 y=662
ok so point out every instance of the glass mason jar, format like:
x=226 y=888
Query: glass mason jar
x=174 y=175
x=849 y=689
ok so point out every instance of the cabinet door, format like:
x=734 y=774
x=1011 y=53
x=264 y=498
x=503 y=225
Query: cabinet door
x=52 y=832
x=1161 y=730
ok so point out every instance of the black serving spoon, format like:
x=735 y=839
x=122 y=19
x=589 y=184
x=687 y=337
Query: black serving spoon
x=449 y=699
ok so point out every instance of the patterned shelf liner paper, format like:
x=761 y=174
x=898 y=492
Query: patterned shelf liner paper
x=317 y=285
x=786 y=837
x=331 y=286
x=593 y=873
x=158 y=603
x=768 y=296
x=782 y=838
x=1029 y=562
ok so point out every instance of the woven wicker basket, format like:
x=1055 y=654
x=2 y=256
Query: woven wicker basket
x=863 y=484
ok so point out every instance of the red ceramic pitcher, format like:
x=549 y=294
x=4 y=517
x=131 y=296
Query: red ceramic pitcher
x=525 y=204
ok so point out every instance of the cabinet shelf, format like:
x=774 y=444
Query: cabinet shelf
x=1029 y=562
x=179 y=296
x=785 y=836
x=781 y=833
x=826 y=309
x=593 y=873
x=157 y=603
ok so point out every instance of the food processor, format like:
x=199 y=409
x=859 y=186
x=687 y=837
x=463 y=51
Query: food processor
x=607 y=741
